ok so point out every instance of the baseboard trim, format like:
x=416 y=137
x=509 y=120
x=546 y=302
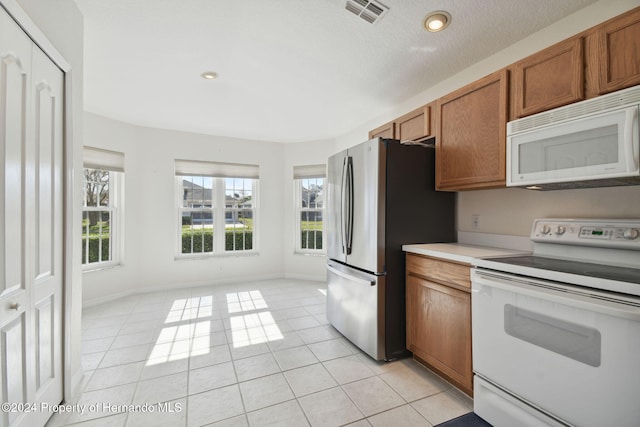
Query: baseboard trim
x=200 y=283
x=76 y=385
x=313 y=278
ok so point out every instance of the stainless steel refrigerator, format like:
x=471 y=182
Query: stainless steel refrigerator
x=380 y=195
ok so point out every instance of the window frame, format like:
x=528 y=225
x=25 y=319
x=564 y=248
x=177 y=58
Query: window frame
x=299 y=209
x=116 y=228
x=218 y=211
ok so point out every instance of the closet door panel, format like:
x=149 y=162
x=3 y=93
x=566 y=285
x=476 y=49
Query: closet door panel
x=16 y=365
x=31 y=226
x=46 y=222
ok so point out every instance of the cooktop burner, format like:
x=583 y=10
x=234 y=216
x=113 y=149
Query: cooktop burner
x=622 y=274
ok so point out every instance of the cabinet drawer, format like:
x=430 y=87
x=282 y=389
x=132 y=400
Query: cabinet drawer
x=439 y=270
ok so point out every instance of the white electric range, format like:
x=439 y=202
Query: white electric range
x=556 y=334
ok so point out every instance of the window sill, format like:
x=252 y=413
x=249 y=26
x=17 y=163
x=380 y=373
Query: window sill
x=215 y=255
x=312 y=254
x=101 y=267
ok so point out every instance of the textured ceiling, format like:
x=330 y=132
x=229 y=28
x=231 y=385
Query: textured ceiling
x=289 y=70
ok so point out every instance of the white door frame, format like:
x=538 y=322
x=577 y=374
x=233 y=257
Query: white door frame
x=38 y=37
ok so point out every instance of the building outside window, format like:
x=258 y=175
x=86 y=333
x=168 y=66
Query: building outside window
x=217 y=207
x=309 y=204
x=102 y=208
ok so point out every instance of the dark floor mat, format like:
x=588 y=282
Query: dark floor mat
x=466 y=420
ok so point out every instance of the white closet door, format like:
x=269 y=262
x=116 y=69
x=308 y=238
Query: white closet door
x=31 y=254
x=46 y=223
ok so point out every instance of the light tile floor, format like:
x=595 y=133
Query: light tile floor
x=250 y=354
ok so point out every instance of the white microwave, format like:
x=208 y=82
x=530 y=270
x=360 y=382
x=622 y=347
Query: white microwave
x=593 y=143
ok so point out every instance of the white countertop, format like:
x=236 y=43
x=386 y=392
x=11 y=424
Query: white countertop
x=457 y=251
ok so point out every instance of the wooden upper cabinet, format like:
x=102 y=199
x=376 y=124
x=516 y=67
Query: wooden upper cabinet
x=415 y=125
x=617 y=52
x=471 y=135
x=549 y=78
x=384 y=131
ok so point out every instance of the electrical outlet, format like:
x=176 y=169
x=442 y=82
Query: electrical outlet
x=475 y=221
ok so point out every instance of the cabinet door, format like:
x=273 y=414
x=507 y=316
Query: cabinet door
x=415 y=125
x=384 y=131
x=618 y=46
x=550 y=78
x=439 y=324
x=471 y=135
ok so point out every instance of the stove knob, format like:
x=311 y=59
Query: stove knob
x=545 y=229
x=560 y=230
x=631 y=234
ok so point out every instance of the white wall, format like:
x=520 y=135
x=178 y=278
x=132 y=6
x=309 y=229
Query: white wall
x=63 y=25
x=150 y=247
x=122 y=137
x=511 y=211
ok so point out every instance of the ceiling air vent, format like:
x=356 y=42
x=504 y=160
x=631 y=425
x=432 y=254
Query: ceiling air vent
x=370 y=11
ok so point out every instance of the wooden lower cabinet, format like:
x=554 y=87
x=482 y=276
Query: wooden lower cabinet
x=439 y=322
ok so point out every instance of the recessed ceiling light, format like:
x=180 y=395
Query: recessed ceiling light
x=436 y=21
x=209 y=75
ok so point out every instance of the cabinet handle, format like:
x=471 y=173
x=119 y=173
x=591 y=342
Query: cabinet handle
x=15 y=306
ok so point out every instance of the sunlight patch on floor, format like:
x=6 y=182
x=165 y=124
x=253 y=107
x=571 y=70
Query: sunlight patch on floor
x=184 y=338
x=252 y=328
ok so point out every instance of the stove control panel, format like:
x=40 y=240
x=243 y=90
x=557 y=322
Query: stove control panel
x=621 y=234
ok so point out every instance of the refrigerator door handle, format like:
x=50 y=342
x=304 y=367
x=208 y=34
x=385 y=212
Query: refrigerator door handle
x=343 y=207
x=350 y=277
x=350 y=204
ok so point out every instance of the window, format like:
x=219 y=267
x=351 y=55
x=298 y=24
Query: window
x=103 y=176
x=217 y=207
x=196 y=214
x=238 y=214
x=309 y=197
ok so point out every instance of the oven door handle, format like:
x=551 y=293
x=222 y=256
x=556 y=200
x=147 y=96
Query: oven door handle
x=550 y=292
